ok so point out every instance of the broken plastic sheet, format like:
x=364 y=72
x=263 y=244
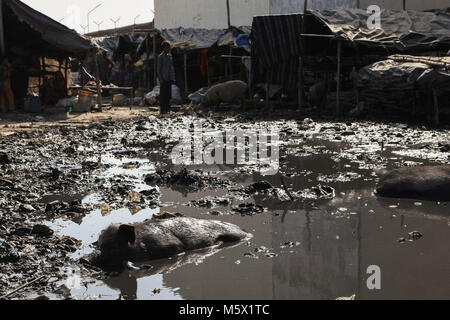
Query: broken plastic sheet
x=413 y=70
x=400 y=30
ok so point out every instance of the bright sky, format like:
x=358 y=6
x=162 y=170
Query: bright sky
x=74 y=12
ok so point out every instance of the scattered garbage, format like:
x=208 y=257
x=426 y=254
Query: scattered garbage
x=39 y=119
x=351 y=298
x=414 y=236
x=67 y=102
x=152 y=97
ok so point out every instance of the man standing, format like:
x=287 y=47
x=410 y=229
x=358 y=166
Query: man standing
x=166 y=75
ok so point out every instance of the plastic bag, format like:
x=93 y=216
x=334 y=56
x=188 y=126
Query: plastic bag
x=151 y=98
x=67 y=102
x=176 y=94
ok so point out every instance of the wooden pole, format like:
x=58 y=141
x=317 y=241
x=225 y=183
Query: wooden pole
x=2 y=31
x=147 y=73
x=228 y=14
x=338 y=87
x=155 y=61
x=230 y=66
x=300 y=82
x=404 y=4
x=22 y=287
x=97 y=79
x=185 y=76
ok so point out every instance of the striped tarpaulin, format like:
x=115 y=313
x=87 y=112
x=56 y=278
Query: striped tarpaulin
x=276 y=48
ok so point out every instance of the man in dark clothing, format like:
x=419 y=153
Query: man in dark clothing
x=166 y=75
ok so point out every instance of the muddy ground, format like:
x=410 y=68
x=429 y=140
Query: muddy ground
x=317 y=224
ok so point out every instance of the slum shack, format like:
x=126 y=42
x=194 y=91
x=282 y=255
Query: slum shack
x=316 y=56
x=416 y=86
x=38 y=49
x=204 y=57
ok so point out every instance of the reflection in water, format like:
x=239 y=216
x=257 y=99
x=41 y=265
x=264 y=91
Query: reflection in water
x=127 y=282
x=319 y=249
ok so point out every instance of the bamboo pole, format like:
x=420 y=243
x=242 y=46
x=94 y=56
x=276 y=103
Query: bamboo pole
x=2 y=31
x=155 y=61
x=22 y=287
x=300 y=82
x=97 y=79
x=338 y=88
x=230 y=66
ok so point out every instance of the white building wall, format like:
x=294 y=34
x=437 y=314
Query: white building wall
x=208 y=14
x=295 y=6
x=410 y=4
x=212 y=14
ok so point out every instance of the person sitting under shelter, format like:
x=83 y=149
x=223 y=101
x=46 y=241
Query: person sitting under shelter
x=54 y=89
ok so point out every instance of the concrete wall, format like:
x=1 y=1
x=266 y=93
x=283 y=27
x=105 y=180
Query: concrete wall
x=293 y=6
x=410 y=4
x=208 y=14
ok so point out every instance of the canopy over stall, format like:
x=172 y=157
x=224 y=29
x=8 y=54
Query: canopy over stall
x=30 y=31
x=277 y=43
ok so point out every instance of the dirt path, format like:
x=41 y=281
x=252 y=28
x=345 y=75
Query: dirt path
x=27 y=121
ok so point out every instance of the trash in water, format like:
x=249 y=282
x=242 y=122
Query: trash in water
x=105 y=209
x=353 y=297
x=39 y=119
x=156 y=291
x=415 y=235
x=134 y=197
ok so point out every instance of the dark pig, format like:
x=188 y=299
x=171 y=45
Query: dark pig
x=160 y=238
x=426 y=183
x=229 y=92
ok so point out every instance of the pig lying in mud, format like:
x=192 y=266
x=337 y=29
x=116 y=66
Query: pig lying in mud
x=229 y=92
x=161 y=237
x=427 y=183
